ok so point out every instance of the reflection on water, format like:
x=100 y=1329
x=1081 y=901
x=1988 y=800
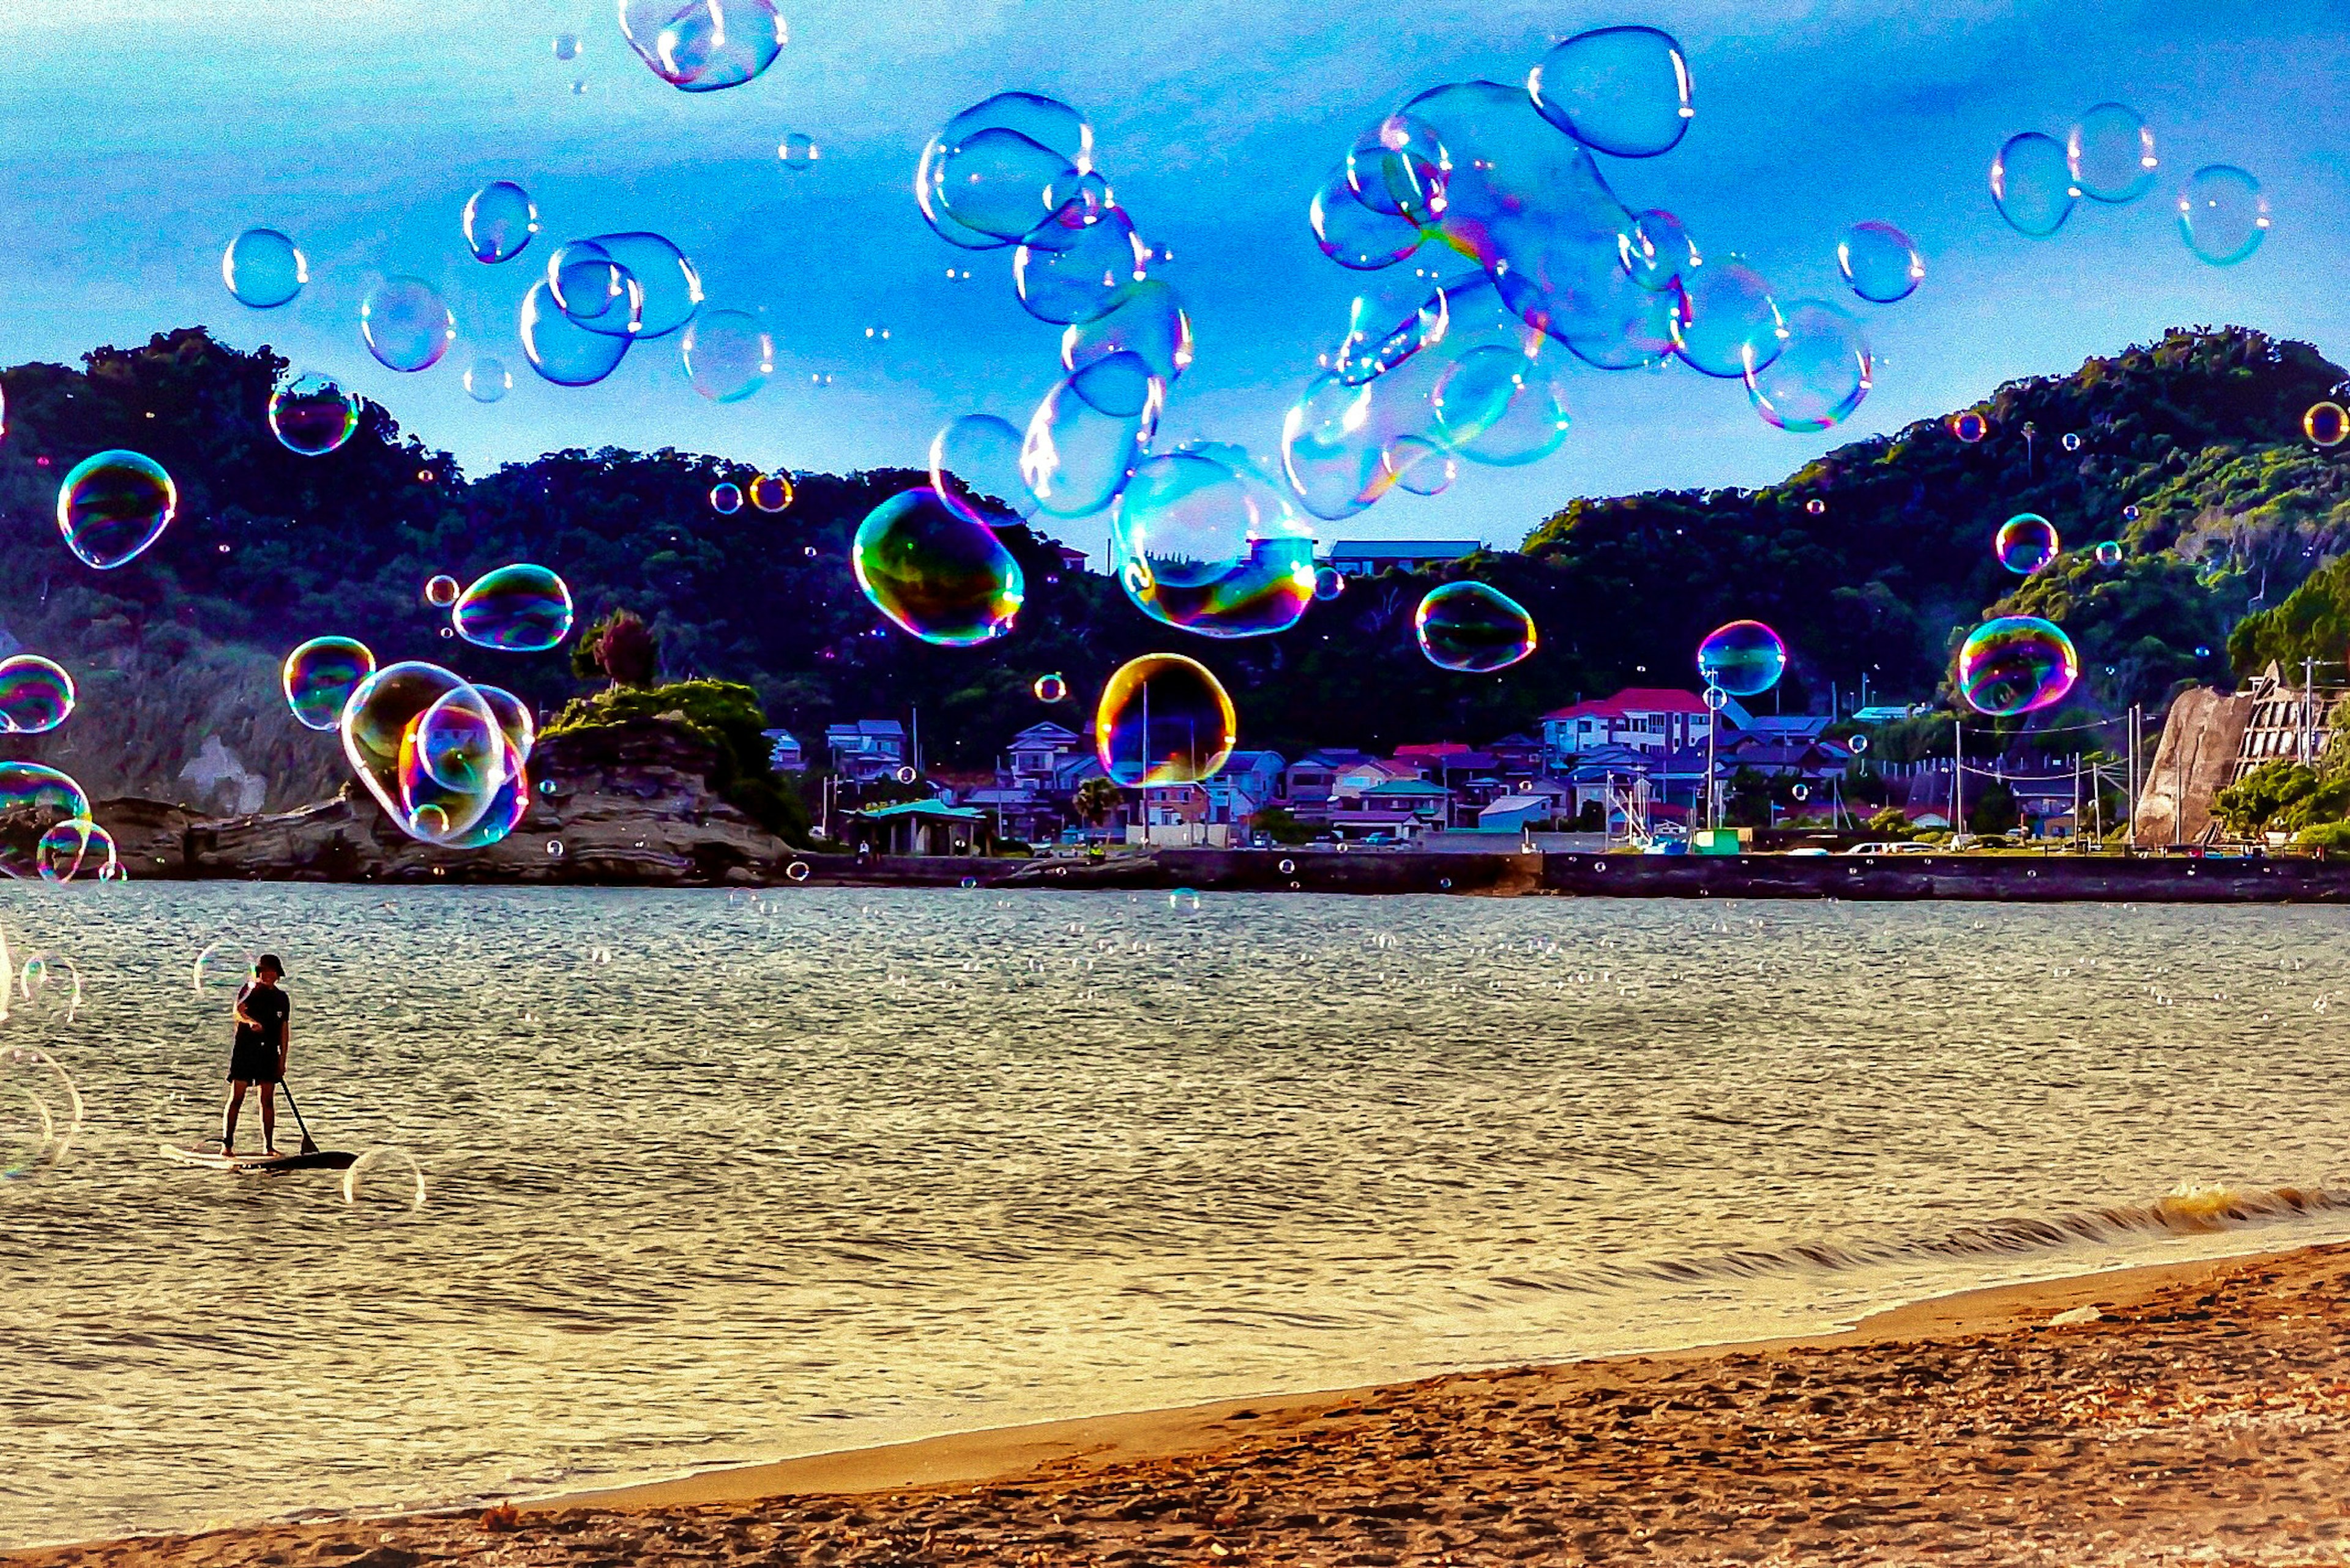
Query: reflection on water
x=714 y=1177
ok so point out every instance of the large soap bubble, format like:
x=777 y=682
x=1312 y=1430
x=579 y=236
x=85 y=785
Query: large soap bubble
x=1354 y=235
x=934 y=572
x=76 y=848
x=1819 y=375
x=2026 y=543
x=320 y=676
x=1150 y=323
x=727 y=355
x=521 y=609
x=2223 y=214
x=975 y=470
x=113 y=505
x=559 y=348
x=1744 y=658
x=264 y=269
x=428 y=747
x=36 y=694
x=1205 y=542
x=1163 y=719
x=703 y=46
x=1495 y=406
x=1087 y=433
x=2031 y=184
x=499 y=220
x=32 y=787
x=1880 y=261
x=311 y=416
x=2109 y=152
x=1730 y=326
x=1075 y=267
x=996 y=171
x=407 y=325
x=1619 y=90
x=1473 y=630
x=2016 y=664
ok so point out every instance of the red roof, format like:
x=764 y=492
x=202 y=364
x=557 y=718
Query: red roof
x=1435 y=749
x=1634 y=700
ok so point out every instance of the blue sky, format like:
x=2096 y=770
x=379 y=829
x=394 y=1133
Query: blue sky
x=136 y=138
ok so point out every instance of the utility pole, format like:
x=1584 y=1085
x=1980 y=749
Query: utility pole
x=1958 y=778
x=2308 y=710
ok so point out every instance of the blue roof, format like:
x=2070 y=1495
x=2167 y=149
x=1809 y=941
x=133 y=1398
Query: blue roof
x=923 y=808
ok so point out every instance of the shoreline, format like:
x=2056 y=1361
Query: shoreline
x=1276 y=1442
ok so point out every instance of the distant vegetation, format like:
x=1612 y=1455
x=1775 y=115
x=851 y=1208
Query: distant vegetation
x=2200 y=431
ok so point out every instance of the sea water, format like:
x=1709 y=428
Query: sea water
x=714 y=1177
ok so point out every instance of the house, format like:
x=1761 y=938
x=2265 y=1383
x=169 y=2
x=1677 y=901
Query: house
x=867 y=749
x=1246 y=784
x=1645 y=718
x=1515 y=813
x=1361 y=557
x=1429 y=804
x=1309 y=779
x=1787 y=726
x=1356 y=779
x=1518 y=757
x=1805 y=760
x=1034 y=755
x=784 y=753
x=1017 y=811
x=919 y=827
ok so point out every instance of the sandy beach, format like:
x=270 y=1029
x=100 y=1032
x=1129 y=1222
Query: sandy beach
x=2192 y=1413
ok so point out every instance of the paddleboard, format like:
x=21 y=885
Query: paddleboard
x=212 y=1158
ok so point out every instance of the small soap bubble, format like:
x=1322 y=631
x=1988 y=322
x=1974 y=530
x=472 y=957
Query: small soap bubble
x=320 y=676
x=2129 y=513
x=2109 y=553
x=1328 y=583
x=798 y=152
x=2325 y=424
x=1050 y=688
x=567 y=45
x=1815 y=506
x=2032 y=185
x=2026 y=543
x=407 y=325
x=441 y=590
x=2223 y=214
x=264 y=269
x=487 y=379
x=1744 y=658
x=1183 y=901
x=2072 y=441
x=2016 y=664
x=727 y=355
x=725 y=498
x=384 y=1180
x=113 y=505
x=1880 y=261
x=1470 y=628
x=771 y=492
x=1969 y=427
x=312 y=416
x=499 y=220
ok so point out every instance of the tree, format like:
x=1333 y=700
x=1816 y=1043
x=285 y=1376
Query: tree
x=620 y=647
x=1891 y=823
x=1996 y=810
x=1095 y=800
x=1275 y=822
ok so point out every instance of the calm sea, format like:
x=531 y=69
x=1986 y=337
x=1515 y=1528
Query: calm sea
x=713 y=1177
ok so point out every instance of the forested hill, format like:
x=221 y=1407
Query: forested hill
x=2200 y=431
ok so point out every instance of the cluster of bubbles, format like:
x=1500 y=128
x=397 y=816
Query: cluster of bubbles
x=2016 y=664
x=769 y=492
x=444 y=758
x=71 y=843
x=2108 y=158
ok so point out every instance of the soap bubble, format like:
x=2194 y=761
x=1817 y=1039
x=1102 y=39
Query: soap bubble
x=40 y=1112
x=1419 y=466
x=663 y=285
x=521 y=609
x=1163 y=719
x=595 y=292
x=2109 y=554
x=320 y=676
x=1744 y=658
x=2031 y=184
x=1493 y=406
x=703 y=46
x=441 y=590
x=567 y=45
x=937 y=575
x=2016 y=664
x=113 y=505
x=42 y=794
x=2129 y=513
x=499 y=220
x=1656 y=251
x=797 y=152
x=771 y=492
x=514 y=717
x=1328 y=583
x=725 y=498
x=1002 y=167
x=1087 y=433
x=2109 y=152
x=1820 y=374
x=1183 y=900
x=1353 y=234
x=2223 y=214
x=1619 y=90
x=1335 y=440
x=1969 y=426
x=1816 y=507
x=2026 y=543
x=1072 y=268
x=1857 y=745
x=1397 y=168
x=1151 y=324
x=975 y=469
x=2072 y=441
x=2325 y=424
x=1396 y=316
x=1050 y=688
x=559 y=348
x=264 y=269
x=1880 y=261
x=384 y=1178
x=487 y=379
x=76 y=848
x=727 y=355
x=407 y=325
x=438 y=781
x=311 y=415
x=1205 y=542
x=36 y=694
x=1730 y=326
x=1473 y=630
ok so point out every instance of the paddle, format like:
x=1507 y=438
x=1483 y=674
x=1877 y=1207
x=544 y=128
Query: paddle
x=287 y=1090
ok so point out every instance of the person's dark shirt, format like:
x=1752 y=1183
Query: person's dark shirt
x=268 y=1007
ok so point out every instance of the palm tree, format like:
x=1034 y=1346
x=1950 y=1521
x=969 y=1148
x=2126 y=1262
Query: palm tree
x=1095 y=800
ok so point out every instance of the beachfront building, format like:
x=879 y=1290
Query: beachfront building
x=867 y=750
x=1363 y=557
x=919 y=827
x=1644 y=718
x=1247 y=784
x=784 y=753
x=1308 y=783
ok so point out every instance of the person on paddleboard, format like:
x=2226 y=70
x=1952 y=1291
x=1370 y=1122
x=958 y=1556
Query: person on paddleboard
x=264 y=1030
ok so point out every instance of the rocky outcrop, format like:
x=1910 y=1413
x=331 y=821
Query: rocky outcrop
x=2195 y=760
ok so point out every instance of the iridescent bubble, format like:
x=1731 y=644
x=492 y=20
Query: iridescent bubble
x=521 y=609
x=1050 y=688
x=499 y=220
x=36 y=790
x=1656 y=251
x=1816 y=507
x=1163 y=719
x=1205 y=542
x=726 y=498
x=1072 y=269
x=1731 y=325
x=727 y=355
x=487 y=379
x=975 y=469
x=2223 y=214
x=36 y=694
x=407 y=325
x=113 y=505
x=2026 y=543
x=2109 y=152
x=1395 y=317
x=2072 y=441
x=75 y=848
x=2016 y=664
x=2109 y=554
x=441 y=590
x=1087 y=433
x=2032 y=185
x=1418 y=466
x=320 y=676
x=1493 y=406
x=1397 y=169
x=1335 y=440
x=665 y=283
x=1969 y=426
x=1473 y=630
x=264 y=269
x=40 y=1112
x=1619 y=91
x=2129 y=513
x=1744 y=658
x=1820 y=374
x=559 y=348
x=1328 y=583
x=771 y=492
x=311 y=416
x=436 y=780
x=797 y=152
x=1151 y=325
x=703 y=46
x=2325 y=424
x=937 y=574
x=1880 y=261
x=996 y=171
x=1353 y=235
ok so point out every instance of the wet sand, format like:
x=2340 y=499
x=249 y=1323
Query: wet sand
x=2180 y=1414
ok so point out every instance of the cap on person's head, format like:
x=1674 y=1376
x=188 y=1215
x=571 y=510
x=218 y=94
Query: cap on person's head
x=269 y=961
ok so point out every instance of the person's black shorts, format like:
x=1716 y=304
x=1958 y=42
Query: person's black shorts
x=252 y=1064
